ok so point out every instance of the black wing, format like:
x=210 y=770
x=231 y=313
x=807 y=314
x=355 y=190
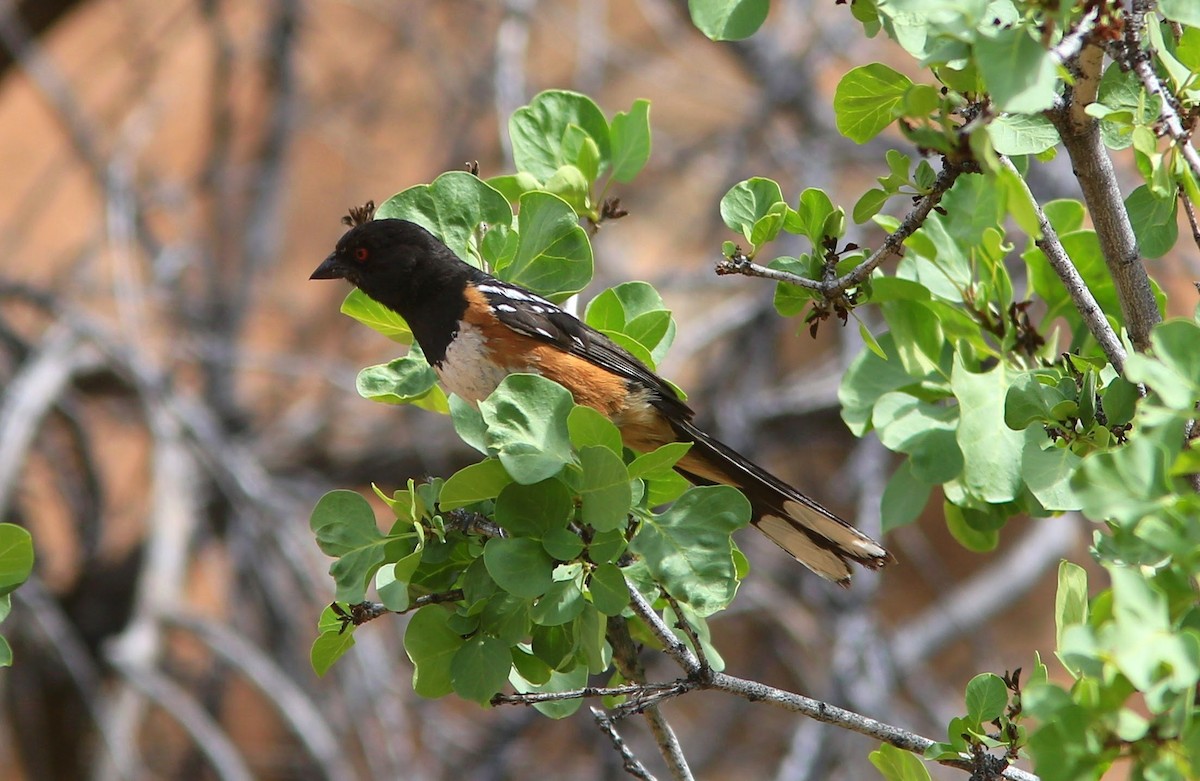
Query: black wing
x=534 y=316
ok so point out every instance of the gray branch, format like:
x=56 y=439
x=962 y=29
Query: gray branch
x=1077 y=289
x=706 y=678
x=891 y=246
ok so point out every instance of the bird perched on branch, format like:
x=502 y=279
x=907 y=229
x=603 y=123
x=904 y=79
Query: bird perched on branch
x=475 y=330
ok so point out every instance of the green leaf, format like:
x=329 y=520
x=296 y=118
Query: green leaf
x=658 y=461
x=534 y=510
x=868 y=205
x=791 y=300
x=16 y=557
x=571 y=185
x=1020 y=74
x=987 y=697
x=474 y=483
x=589 y=428
x=605 y=489
x=1022 y=134
x=561 y=603
x=519 y=566
x=630 y=134
x=728 y=20
x=404 y=380
x=749 y=201
x=895 y=764
x=607 y=587
x=431 y=645
x=868 y=99
x=452 y=208
x=1174 y=372
x=1071 y=600
x=513 y=186
x=980 y=541
x=1048 y=472
x=1182 y=11
x=556 y=645
x=562 y=544
x=991 y=453
x=539 y=132
x=925 y=431
x=328 y=648
x=479 y=668
x=689 y=550
x=345 y=527
x=376 y=316
x=526 y=420
x=1119 y=400
x=635 y=310
x=904 y=498
x=1154 y=221
x=554 y=256
x=506 y=617
x=391 y=581
x=812 y=212
x=867 y=379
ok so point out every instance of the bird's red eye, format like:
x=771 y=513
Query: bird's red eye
x=361 y=254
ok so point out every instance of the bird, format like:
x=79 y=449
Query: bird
x=475 y=330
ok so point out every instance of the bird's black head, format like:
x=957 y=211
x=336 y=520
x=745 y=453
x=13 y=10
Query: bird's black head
x=396 y=262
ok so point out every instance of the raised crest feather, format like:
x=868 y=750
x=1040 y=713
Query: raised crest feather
x=360 y=215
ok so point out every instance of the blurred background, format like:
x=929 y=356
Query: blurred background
x=175 y=394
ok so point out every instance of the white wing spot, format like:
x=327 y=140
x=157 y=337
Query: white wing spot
x=544 y=333
x=505 y=308
x=507 y=292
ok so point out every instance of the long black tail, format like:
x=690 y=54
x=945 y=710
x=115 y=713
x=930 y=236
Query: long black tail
x=817 y=538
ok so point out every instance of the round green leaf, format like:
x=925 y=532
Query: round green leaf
x=607 y=586
x=728 y=20
x=479 y=669
x=526 y=420
x=431 y=645
x=553 y=255
x=474 y=483
x=534 y=510
x=16 y=557
x=519 y=566
x=868 y=99
x=561 y=603
x=452 y=207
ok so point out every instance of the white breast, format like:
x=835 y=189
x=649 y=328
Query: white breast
x=467 y=370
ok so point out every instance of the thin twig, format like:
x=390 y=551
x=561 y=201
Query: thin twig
x=891 y=245
x=634 y=690
x=1085 y=303
x=674 y=647
x=1190 y=210
x=1140 y=61
x=630 y=762
x=1073 y=42
x=815 y=709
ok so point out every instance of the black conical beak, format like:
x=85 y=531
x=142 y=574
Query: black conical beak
x=330 y=269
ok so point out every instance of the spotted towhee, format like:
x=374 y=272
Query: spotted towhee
x=475 y=330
